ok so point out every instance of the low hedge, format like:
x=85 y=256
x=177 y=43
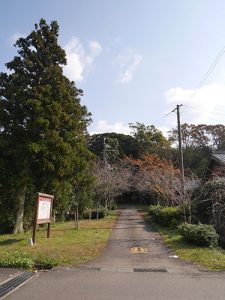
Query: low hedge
x=199 y=234
x=22 y=261
x=167 y=216
x=102 y=213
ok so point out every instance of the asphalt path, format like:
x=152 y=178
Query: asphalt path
x=135 y=265
x=131 y=233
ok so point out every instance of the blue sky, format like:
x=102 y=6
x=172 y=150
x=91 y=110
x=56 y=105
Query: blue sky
x=135 y=60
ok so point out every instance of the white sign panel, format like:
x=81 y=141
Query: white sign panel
x=44 y=209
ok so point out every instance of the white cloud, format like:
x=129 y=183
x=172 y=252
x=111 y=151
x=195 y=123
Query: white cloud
x=80 y=60
x=164 y=130
x=118 y=127
x=203 y=105
x=128 y=62
x=15 y=37
x=95 y=49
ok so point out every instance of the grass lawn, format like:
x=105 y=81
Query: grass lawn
x=209 y=258
x=66 y=246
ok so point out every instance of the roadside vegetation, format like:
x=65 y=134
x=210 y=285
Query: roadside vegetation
x=205 y=256
x=209 y=258
x=66 y=246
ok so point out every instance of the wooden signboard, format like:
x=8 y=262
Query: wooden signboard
x=43 y=213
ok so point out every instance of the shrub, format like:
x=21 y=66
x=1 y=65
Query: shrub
x=208 y=206
x=20 y=259
x=154 y=211
x=102 y=213
x=209 y=202
x=168 y=216
x=27 y=263
x=199 y=234
x=113 y=207
x=14 y=261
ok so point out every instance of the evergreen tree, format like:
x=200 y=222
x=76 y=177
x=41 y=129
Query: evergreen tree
x=42 y=124
x=121 y=145
x=150 y=140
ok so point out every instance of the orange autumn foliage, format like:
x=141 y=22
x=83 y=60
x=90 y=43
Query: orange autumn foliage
x=159 y=176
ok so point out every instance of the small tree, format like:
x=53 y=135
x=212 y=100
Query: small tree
x=164 y=181
x=111 y=181
x=209 y=204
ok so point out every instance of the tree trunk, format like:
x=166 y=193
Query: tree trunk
x=97 y=209
x=76 y=218
x=18 y=228
x=78 y=225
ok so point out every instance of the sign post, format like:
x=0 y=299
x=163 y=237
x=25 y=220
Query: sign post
x=43 y=213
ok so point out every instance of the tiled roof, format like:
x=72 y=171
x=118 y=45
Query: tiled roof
x=219 y=156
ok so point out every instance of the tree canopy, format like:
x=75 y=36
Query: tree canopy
x=43 y=138
x=149 y=139
x=117 y=145
x=197 y=142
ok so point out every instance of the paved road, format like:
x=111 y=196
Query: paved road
x=132 y=231
x=6 y=274
x=114 y=276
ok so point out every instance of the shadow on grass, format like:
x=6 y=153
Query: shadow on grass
x=172 y=236
x=175 y=240
x=180 y=243
x=10 y=242
x=80 y=229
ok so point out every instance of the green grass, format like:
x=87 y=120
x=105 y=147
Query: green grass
x=210 y=258
x=205 y=257
x=66 y=246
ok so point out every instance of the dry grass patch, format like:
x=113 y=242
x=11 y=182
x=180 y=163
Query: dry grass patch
x=67 y=246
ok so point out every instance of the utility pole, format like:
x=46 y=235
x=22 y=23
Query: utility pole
x=105 y=166
x=181 y=159
x=104 y=152
x=104 y=173
x=180 y=143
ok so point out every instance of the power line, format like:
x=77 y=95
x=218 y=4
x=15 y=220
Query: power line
x=204 y=78
x=207 y=118
x=206 y=111
x=217 y=120
x=211 y=68
x=208 y=73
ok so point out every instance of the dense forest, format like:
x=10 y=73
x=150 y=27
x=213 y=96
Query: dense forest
x=198 y=141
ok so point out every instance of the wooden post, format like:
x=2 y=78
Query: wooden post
x=34 y=232
x=77 y=218
x=49 y=230
x=43 y=213
x=35 y=222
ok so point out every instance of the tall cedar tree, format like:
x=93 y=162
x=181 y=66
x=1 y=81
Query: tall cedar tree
x=42 y=124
